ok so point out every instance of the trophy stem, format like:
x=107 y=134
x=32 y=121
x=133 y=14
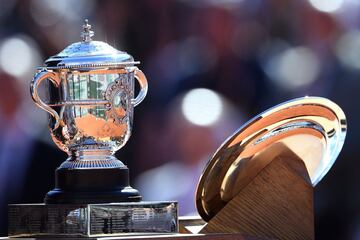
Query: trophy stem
x=93 y=176
x=91 y=158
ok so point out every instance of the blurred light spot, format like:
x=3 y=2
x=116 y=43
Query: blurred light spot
x=355 y=2
x=202 y=106
x=348 y=49
x=19 y=56
x=327 y=5
x=165 y=177
x=48 y=12
x=16 y=56
x=293 y=68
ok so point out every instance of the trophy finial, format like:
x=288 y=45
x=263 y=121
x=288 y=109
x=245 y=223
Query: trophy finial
x=87 y=33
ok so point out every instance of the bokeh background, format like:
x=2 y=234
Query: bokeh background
x=211 y=66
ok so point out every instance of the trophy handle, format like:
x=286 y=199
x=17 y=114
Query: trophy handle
x=140 y=77
x=38 y=78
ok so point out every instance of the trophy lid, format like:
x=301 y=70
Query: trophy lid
x=311 y=128
x=89 y=54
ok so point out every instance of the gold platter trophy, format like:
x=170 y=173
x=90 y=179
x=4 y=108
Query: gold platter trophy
x=259 y=183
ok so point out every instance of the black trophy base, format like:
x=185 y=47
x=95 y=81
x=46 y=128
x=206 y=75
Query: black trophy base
x=58 y=196
x=92 y=220
x=92 y=186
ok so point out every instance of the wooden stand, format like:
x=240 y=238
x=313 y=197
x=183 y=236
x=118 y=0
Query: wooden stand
x=278 y=204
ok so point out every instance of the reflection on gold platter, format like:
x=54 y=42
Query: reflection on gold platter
x=313 y=128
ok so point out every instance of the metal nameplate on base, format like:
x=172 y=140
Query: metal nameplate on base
x=90 y=220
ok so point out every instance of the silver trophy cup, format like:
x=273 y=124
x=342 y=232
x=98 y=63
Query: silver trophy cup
x=91 y=104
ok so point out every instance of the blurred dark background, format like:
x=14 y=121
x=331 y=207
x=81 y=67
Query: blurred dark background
x=211 y=66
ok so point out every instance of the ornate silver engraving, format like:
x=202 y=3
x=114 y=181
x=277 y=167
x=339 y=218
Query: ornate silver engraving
x=118 y=95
